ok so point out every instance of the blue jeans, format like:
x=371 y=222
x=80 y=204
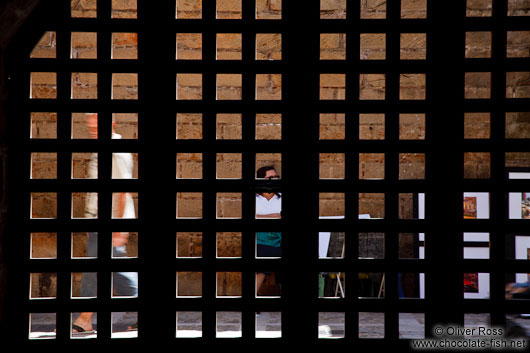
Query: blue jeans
x=124 y=283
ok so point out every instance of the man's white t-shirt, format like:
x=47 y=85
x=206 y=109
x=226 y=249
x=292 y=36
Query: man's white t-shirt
x=265 y=207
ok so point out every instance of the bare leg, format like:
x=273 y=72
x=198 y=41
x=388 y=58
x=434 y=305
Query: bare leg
x=85 y=321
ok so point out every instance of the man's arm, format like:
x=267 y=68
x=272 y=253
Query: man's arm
x=120 y=238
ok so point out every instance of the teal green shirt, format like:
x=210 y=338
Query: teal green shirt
x=269 y=238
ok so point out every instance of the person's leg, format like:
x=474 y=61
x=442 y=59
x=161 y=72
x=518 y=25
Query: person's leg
x=89 y=284
x=124 y=283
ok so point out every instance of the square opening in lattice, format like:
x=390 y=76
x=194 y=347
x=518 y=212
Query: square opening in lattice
x=517 y=159
x=123 y=325
x=411 y=285
x=229 y=86
x=43 y=85
x=228 y=324
x=44 y=165
x=517 y=125
x=125 y=125
x=519 y=205
x=268 y=324
x=410 y=205
x=189 y=87
x=43 y=285
x=189 y=166
x=478 y=45
x=331 y=324
x=124 y=285
x=476 y=205
x=268 y=283
x=229 y=244
x=84 y=245
x=373 y=9
x=331 y=205
x=268 y=126
x=476 y=285
x=84 y=45
x=373 y=46
x=188 y=324
x=84 y=205
x=83 y=9
x=43 y=126
x=125 y=86
x=411 y=166
x=372 y=86
x=332 y=87
x=189 y=205
x=333 y=9
x=189 y=46
x=84 y=126
x=268 y=9
x=371 y=245
x=413 y=9
x=479 y=8
x=189 y=126
x=124 y=45
x=124 y=245
x=229 y=165
x=84 y=165
x=412 y=126
x=477 y=165
x=189 y=244
x=476 y=322
x=43 y=246
x=124 y=9
x=229 y=284
x=517 y=286
x=268 y=46
x=84 y=285
x=371 y=205
x=332 y=284
x=371 y=126
x=228 y=10
x=229 y=46
x=413 y=46
x=371 y=166
x=518 y=84
x=331 y=245
x=412 y=86
x=229 y=127
x=476 y=245
x=229 y=205
x=268 y=204
x=189 y=284
x=371 y=325
x=42 y=326
x=188 y=9
x=371 y=285
x=46 y=47
x=477 y=85
x=90 y=333
x=124 y=205
x=271 y=164
x=411 y=245
x=477 y=125
x=411 y=325
x=43 y=205
x=332 y=165
x=268 y=86
x=332 y=46
x=332 y=126
x=518 y=8
x=84 y=85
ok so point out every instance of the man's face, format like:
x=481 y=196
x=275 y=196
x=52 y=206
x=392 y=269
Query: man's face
x=270 y=174
x=92 y=125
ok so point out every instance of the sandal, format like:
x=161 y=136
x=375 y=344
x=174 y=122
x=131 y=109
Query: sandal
x=79 y=331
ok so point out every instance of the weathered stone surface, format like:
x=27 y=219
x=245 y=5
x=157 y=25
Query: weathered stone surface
x=518 y=44
x=412 y=86
x=189 y=9
x=189 y=126
x=372 y=245
x=44 y=165
x=84 y=45
x=411 y=166
x=43 y=85
x=229 y=165
x=373 y=46
x=229 y=205
x=79 y=200
x=371 y=126
x=189 y=284
x=268 y=126
x=229 y=86
x=268 y=9
x=189 y=166
x=228 y=9
x=332 y=126
x=189 y=205
x=331 y=204
x=43 y=285
x=229 y=46
x=477 y=85
x=413 y=9
x=332 y=46
x=413 y=46
x=80 y=162
x=229 y=283
x=371 y=165
x=372 y=86
x=79 y=127
x=189 y=46
x=477 y=165
x=518 y=85
x=332 y=165
x=332 y=86
x=268 y=46
x=124 y=45
x=268 y=86
x=477 y=125
x=406 y=206
x=46 y=47
x=412 y=126
x=83 y=8
x=478 y=45
x=229 y=127
x=44 y=245
x=84 y=85
x=124 y=9
x=126 y=125
x=333 y=9
x=517 y=159
x=189 y=244
x=43 y=125
x=229 y=244
x=125 y=86
x=373 y=9
x=518 y=8
x=43 y=205
x=518 y=125
x=189 y=86
x=478 y=8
